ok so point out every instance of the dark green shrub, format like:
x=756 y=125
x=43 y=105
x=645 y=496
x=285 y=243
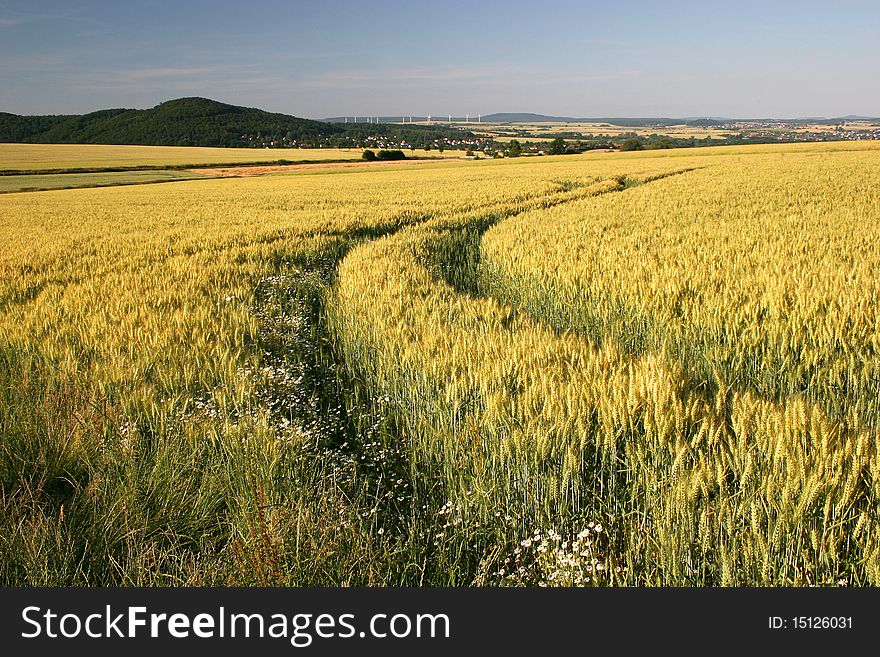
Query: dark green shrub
x=391 y=155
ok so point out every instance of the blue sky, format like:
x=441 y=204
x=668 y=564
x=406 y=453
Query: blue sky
x=336 y=57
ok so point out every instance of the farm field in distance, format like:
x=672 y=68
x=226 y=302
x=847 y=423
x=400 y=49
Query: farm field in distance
x=646 y=368
x=40 y=167
x=539 y=131
x=35 y=182
x=36 y=157
x=719 y=130
x=56 y=157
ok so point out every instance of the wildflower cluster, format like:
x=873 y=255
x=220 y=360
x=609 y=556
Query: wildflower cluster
x=546 y=558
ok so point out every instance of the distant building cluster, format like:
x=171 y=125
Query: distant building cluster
x=792 y=132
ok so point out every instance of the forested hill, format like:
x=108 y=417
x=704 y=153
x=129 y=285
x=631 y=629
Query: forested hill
x=181 y=122
x=198 y=122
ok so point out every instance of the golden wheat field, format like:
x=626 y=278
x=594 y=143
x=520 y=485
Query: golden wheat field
x=37 y=158
x=654 y=368
x=41 y=157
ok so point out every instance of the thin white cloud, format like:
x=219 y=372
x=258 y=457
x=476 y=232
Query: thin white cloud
x=141 y=74
x=14 y=17
x=46 y=63
x=611 y=43
x=402 y=77
x=461 y=76
x=169 y=82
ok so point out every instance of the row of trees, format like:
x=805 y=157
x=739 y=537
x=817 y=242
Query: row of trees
x=557 y=147
x=371 y=156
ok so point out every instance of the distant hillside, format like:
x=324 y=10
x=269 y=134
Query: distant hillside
x=508 y=117
x=526 y=117
x=181 y=122
x=631 y=122
x=204 y=122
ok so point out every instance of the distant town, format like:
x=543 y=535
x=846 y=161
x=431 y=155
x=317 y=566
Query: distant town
x=789 y=131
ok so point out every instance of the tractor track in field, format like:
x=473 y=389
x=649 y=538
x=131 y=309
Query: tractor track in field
x=311 y=390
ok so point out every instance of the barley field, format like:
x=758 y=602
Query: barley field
x=41 y=157
x=46 y=181
x=610 y=369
